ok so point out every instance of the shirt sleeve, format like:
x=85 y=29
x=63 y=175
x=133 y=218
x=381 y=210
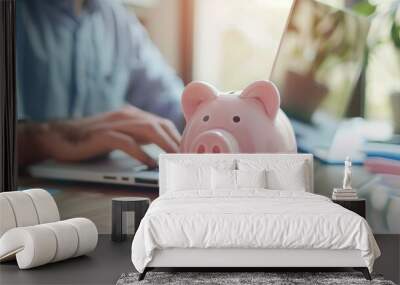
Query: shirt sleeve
x=154 y=86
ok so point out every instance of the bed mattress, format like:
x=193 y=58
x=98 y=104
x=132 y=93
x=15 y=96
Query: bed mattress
x=251 y=219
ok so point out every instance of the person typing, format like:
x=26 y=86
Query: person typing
x=89 y=81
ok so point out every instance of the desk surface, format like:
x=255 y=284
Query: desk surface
x=89 y=200
x=93 y=200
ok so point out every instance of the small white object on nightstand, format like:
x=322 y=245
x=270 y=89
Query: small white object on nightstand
x=347 y=174
x=346 y=192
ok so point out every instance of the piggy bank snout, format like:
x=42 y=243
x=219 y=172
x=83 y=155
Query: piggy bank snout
x=214 y=141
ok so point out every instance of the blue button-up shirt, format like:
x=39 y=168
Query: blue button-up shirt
x=71 y=66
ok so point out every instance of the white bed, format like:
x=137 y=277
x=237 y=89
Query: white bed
x=248 y=227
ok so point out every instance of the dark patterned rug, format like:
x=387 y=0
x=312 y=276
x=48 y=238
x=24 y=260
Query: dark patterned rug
x=229 y=278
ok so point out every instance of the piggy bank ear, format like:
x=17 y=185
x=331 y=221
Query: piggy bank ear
x=267 y=93
x=194 y=94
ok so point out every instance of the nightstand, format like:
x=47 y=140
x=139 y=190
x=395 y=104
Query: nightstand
x=120 y=206
x=356 y=205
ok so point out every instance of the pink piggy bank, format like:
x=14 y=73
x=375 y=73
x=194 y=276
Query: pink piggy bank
x=249 y=121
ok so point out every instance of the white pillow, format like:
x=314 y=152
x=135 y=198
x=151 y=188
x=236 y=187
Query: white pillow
x=223 y=179
x=282 y=174
x=182 y=177
x=251 y=178
x=294 y=180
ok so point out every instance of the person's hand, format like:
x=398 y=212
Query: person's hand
x=126 y=130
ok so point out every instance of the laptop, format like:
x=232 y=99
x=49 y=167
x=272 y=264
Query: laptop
x=316 y=70
x=114 y=168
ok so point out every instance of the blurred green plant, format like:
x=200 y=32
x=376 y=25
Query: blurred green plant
x=364 y=8
x=387 y=13
x=395 y=30
x=391 y=12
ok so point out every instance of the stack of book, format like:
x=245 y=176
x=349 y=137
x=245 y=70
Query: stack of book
x=344 y=194
x=382 y=158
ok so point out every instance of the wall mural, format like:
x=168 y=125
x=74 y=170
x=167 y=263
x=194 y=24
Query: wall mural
x=104 y=92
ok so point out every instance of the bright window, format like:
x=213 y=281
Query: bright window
x=236 y=41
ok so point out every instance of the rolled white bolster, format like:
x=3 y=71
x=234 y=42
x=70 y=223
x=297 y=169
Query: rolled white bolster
x=7 y=218
x=67 y=240
x=33 y=246
x=23 y=208
x=87 y=234
x=40 y=244
x=45 y=205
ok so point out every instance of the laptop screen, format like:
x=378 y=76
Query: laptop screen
x=319 y=60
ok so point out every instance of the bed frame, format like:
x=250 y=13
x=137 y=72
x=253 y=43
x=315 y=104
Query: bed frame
x=242 y=259
x=249 y=259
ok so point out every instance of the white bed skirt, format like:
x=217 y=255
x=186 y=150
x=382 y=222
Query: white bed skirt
x=192 y=257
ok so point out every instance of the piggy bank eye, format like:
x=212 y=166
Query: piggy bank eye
x=206 y=118
x=236 y=119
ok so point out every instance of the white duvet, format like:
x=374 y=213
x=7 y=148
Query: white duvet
x=250 y=219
